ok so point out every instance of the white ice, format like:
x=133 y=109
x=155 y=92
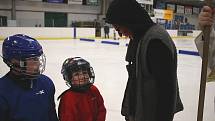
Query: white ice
x=111 y=76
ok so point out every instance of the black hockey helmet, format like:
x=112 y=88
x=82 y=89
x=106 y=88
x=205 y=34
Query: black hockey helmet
x=78 y=73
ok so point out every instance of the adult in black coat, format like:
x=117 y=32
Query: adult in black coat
x=152 y=92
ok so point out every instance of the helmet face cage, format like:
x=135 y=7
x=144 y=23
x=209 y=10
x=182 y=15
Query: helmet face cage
x=78 y=73
x=29 y=68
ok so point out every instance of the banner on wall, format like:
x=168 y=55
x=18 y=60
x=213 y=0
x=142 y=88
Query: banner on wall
x=179 y=18
x=163 y=14
x=150 y=2
x=180 y=9
x=188 y=10
x=170 y=7
x=196 y=10
x=160 y=5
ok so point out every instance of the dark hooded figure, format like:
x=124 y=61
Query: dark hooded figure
x=152 y=92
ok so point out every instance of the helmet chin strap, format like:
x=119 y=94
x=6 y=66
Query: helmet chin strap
x=23 y=75
x=23 y=82
x=7 y=62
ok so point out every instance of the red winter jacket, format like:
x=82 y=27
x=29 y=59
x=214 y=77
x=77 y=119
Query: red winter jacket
x=82 y=106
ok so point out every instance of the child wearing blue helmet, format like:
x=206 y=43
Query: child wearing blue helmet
x=25 y=93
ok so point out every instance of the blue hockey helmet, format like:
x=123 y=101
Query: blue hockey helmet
x=23 y=49
x=78 y=73
x=20 y=46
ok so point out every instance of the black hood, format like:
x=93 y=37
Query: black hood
x=128 y=13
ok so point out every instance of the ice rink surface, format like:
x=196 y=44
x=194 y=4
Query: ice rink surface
x=111 y=76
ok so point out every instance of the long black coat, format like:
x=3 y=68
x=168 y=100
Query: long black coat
x=161 y=62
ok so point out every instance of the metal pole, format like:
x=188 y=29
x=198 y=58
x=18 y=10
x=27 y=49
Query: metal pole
x=206 y=34
x=1 y=22
x=53 y=23
x=13 y=11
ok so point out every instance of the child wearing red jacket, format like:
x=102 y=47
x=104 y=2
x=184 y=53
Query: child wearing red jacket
x=82 y=101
